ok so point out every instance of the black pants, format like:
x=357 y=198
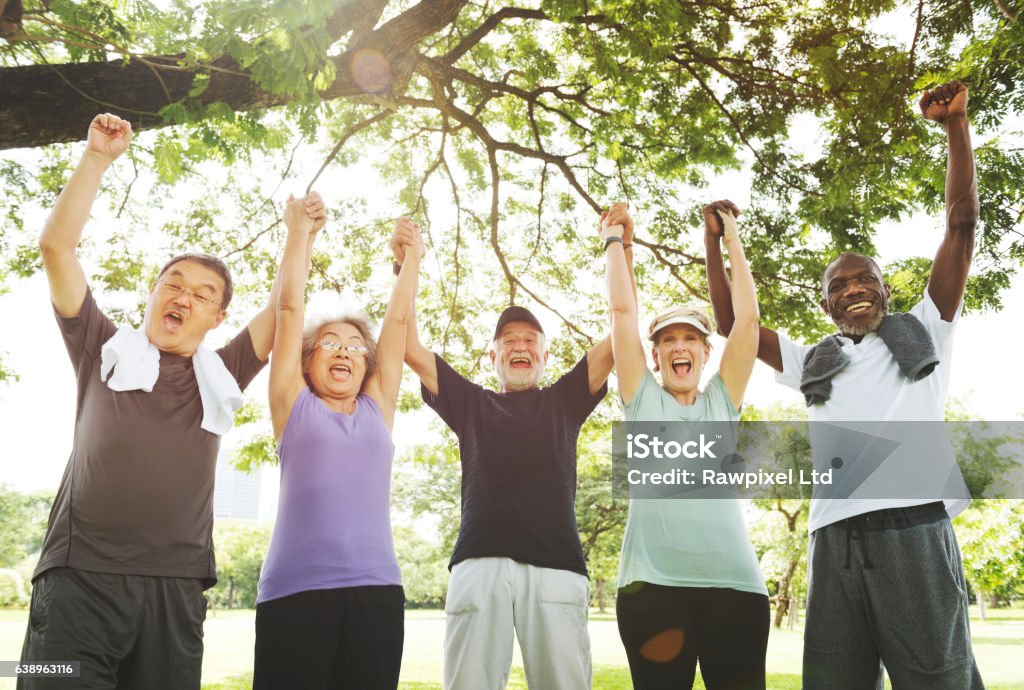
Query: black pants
x=666 y=630
x=130 y=632
x=350 y=637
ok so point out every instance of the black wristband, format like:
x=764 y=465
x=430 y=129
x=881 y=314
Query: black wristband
x=396 y=267
x=611 y=239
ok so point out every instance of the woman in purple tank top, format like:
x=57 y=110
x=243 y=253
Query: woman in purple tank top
x=330 y=608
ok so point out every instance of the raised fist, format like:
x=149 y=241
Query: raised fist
x=714 y=215
x=944 y=101
x=109 y=136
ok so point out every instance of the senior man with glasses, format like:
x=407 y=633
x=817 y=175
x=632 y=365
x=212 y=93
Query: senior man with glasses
x=128 y=549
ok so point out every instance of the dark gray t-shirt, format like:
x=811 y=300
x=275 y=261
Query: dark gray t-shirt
x=518 y=453
x=137 y=494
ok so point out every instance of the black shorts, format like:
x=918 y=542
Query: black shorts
x=666 y=630
x=127 y=631
x=350 y=637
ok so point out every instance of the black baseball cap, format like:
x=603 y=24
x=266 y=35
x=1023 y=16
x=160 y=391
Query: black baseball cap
x=516 y=313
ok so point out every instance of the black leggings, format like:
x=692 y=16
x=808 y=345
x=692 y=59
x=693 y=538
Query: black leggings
x=349 y=637
x=666 y=630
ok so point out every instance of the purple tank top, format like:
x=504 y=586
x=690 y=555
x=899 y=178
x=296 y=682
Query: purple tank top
x=333 y=524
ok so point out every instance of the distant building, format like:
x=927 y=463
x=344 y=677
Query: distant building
x=241 y=496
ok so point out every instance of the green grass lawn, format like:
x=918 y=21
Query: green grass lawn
x=227 y=664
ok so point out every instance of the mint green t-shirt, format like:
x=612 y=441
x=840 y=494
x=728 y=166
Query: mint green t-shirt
x=687 y=542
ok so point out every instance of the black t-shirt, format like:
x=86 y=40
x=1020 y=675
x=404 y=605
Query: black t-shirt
x=518 y=453
x=137 y=493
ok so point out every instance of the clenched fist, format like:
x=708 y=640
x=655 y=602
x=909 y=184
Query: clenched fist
x=944 y=101
x=109 y=136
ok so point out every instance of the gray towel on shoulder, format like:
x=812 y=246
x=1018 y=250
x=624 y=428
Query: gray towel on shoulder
x=909 y=342
x=905 y=336
x=823 y=361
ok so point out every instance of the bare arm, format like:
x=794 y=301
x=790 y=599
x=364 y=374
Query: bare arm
x=768 y=349
x=108 y=138
x=261 y=327
x=948 y=106
x=420 y=359
x=391 y=346
x=741 y=345
x=286 y=380
x=629 y=358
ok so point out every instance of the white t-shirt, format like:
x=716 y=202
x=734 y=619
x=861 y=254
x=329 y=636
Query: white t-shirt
x=900 y=464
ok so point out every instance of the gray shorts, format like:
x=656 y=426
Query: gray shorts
x=127 y=631
x=888 y=587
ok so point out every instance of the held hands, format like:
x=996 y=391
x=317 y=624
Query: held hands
x=616 y=222
x=945 y=101
x=719 y=218
x=406 y=235
x=108 y=137
x=305 y=214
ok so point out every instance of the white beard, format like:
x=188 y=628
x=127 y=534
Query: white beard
x=861 y=331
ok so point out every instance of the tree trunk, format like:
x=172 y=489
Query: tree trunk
x=782 y=608
x=48 y=104
x=602 y=596
x=981 y=603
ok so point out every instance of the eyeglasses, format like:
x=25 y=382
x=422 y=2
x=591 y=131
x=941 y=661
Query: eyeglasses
x=175 y=289
x=351 y=349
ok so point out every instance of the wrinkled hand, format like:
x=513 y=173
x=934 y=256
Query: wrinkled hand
x=295 y=217
x=714 y=215
x=108 y=136
x=944 y=101
x=407 y=234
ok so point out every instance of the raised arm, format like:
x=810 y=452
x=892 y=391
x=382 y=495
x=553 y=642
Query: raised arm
x=108 y=138
x=391 y=345
x=420 y=359
x=627 y=348
x=261 y=327
x=768 y=349
x=947 y=105
x=286 y=380
x=741 y=345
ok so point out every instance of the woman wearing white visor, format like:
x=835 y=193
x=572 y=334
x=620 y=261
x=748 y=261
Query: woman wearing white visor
x=690 y=588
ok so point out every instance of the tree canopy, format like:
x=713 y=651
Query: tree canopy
x=504 y=128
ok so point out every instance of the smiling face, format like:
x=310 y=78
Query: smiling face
x=337 y=373
x=176 y=321
x=680 y=353
x=855 y=298
x=519 y=357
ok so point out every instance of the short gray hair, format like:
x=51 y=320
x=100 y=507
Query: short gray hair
x=358 y=321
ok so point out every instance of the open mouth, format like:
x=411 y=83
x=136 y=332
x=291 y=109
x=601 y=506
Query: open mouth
x=173 y=320
x=520 y=363
x=682 y=366
x=341 y=372
x=858 y=307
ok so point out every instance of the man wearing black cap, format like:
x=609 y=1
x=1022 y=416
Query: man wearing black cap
x=518 y=563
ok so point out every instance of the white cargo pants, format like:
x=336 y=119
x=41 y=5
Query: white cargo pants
x=547 y=608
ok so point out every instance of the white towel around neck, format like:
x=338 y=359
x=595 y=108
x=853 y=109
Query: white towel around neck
x=135 y=363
